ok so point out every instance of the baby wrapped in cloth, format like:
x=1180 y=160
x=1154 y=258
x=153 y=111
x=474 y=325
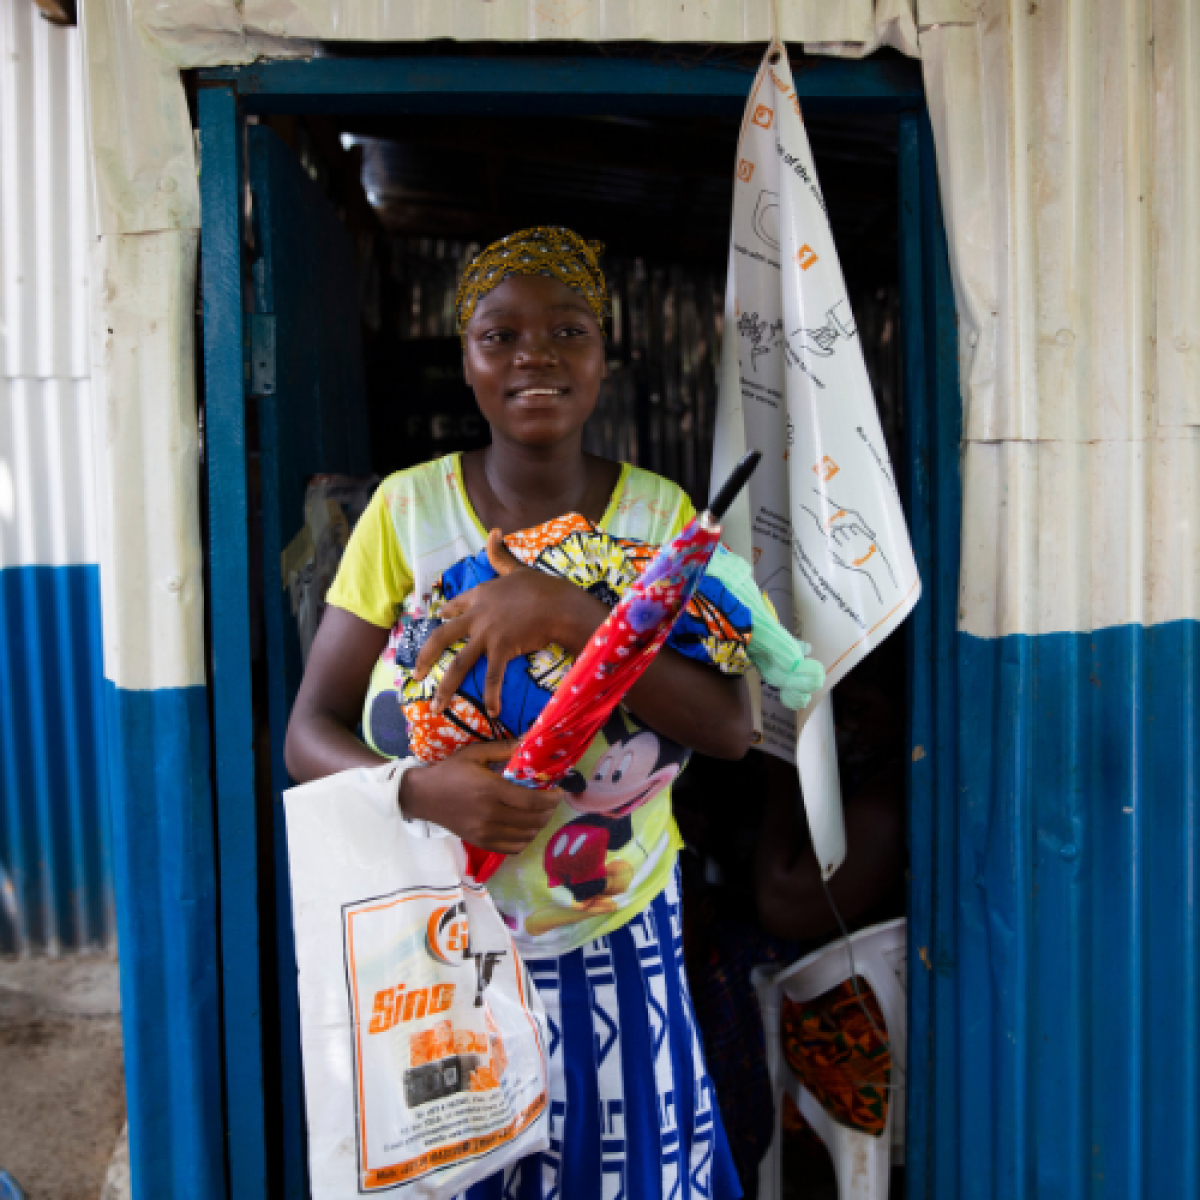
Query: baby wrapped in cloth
x=726 y=625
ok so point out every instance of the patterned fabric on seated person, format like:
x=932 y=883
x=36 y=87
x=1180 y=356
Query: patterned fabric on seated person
x=836 y=1044
x=715 y=629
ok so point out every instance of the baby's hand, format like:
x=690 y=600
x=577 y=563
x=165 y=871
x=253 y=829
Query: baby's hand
x=518 y=613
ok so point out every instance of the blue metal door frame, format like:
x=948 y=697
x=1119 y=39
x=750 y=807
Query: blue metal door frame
x=933 y=431
x=307 y=374
x=231 y=696
x=581 y=86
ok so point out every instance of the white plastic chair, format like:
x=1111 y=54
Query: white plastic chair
x=861 y=1162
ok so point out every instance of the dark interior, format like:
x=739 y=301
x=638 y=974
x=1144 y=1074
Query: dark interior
x=423 y=193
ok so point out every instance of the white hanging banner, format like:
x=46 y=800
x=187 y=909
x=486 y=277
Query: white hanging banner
x=821 y=522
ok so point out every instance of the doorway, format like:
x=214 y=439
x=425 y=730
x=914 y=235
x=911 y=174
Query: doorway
x=450 y=153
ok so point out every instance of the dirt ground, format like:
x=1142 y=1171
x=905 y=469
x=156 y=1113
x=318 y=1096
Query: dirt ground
x=62 y=1099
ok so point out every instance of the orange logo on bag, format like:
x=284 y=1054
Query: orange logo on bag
x=394 y=1005
x=806 y=256
x=446 y=934
x=745 y=170
x=763 y=116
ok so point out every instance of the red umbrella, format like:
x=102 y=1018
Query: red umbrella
x=615 y=656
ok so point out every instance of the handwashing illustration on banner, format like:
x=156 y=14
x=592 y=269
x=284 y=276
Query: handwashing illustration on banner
x=821 y=521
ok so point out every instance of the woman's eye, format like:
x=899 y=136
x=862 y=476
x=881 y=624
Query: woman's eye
x=571 y=331
x=497 y=335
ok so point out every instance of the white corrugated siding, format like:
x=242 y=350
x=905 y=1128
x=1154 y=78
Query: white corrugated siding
x=43 y=200
x=55 y=882
x=47 y=492
x=46 y=508
x=1069 y=150
x=530 y=20
x=47 y=504
x=148 y=474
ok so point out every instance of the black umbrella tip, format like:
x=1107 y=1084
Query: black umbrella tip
x=719 y=504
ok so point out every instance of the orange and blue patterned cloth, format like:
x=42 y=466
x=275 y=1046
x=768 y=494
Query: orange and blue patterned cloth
x=836 y=1045
x=714 y=629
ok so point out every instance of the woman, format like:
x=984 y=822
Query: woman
x=595 y=912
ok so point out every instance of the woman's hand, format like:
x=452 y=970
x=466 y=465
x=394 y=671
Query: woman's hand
x=518 y=613
x=462 y=794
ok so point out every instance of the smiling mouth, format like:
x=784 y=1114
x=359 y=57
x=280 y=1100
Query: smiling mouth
x=537 y=393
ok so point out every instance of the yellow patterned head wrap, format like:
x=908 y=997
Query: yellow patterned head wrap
x=544 y=250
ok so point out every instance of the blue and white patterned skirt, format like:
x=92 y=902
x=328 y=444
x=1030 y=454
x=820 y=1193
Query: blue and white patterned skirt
x=633 y=1115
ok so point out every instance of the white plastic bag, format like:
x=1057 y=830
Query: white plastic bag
x=423 y=1037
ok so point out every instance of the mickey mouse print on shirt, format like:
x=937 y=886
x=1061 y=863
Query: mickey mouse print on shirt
x=597 y=857
x=610 y=847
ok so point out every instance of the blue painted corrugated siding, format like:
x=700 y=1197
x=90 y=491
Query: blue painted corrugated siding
x=164 y=860
x=1066 y=954
x=55 y=867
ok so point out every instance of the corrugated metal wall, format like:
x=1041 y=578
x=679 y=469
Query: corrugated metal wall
x=1064 y=953
x=55 y=880
x=1082 y=318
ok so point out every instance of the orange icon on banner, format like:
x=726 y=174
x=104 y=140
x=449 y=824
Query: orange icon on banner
x=745 y=170
x=826 y=469
x=763 y=116
x=806 y=256
x=757 y=554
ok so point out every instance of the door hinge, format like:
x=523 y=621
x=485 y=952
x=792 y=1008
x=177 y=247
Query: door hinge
x=262 y=353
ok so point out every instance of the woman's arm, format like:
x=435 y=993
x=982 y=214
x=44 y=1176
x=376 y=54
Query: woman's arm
x=329 y=704
x=524 y=609
x=694 y=705
x=462 y=793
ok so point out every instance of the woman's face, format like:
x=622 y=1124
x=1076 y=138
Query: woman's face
x=534 y=357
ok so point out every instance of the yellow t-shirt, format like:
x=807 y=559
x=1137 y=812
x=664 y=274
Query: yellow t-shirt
x=611 y=847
